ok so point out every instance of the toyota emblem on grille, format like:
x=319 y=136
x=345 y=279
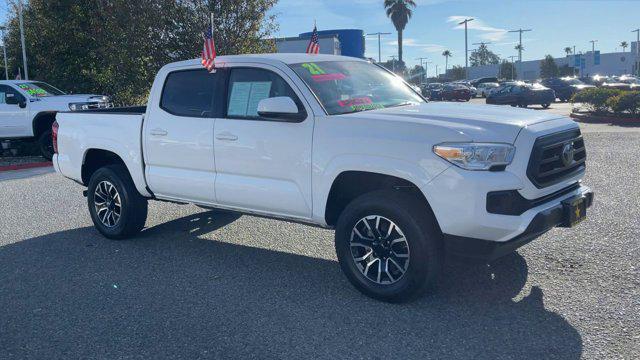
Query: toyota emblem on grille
x=568 y=152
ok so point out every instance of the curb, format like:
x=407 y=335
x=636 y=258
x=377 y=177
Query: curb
x=25 y=166
x=597 y=119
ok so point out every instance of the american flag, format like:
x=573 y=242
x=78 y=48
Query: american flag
x=314 y=46
x=209 y=51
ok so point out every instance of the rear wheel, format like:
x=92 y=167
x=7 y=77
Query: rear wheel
x=45 y=144
x=388 y=245
x=117 y=209
x=545 y=105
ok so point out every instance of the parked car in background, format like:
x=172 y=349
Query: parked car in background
x=523 y=95
x=501 y=86
x=432 y=91
x=565 y=87
x=474 y=91
x=28 y=108
x=479 y=81
x=334 y=142
x=456 y=92
x=483 y=88
x=615 y=83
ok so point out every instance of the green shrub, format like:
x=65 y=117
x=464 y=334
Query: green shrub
x=595 y=98
x=626 y=102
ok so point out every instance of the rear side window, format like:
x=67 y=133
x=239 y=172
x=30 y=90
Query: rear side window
x=189 y=93
x=247 y=86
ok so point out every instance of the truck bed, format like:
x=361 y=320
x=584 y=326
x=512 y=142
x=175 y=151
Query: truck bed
x=128 y=110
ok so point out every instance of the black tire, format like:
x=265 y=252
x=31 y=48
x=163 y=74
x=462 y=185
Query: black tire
x=133 y=207
x=45 y=144
x=544 y=106
x=423 y=241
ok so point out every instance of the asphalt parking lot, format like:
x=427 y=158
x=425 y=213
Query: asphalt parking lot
x=196 y=284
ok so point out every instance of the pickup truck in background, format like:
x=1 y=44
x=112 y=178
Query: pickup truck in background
x=28 y=109
x=335 y=142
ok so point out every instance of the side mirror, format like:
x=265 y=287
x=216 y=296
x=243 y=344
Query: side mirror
x=280 y=108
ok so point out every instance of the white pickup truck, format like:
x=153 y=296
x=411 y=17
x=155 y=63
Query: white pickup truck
x=335 y=142
x=28 y=108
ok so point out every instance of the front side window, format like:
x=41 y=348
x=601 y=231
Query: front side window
x=350 y=86
x=189 y=93
x=39 y=89
x=248 y=86
x=7 y=91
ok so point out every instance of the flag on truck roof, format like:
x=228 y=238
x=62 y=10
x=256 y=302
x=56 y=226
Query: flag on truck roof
x=314 y=46
x=209 y=51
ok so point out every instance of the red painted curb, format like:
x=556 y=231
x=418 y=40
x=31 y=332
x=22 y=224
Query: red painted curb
x=25 y=166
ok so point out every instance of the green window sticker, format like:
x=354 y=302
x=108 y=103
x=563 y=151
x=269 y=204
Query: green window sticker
x=313 y=68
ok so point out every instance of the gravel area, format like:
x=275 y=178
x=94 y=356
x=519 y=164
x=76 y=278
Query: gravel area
x=196 y=284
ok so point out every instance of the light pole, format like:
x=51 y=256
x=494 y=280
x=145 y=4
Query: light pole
x=393 y=63
x=379 y=46
x=520 y=31
x=637 y=31
x=513 y=65
x=422 y=58
x=593 y=47
x=4 y=51
x=24 y=50
x=466 y=51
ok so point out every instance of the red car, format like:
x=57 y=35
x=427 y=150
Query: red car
x=455 y=92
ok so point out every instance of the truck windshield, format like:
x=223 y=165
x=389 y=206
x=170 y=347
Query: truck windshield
x=351 y=86
x=39 y=89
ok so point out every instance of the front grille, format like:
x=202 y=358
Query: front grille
x=547 y=165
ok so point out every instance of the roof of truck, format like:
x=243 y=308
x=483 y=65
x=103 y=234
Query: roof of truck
x=287 y=58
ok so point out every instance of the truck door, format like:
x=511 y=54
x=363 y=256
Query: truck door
x=178 y=137
x=263 y=165
x=14 y=121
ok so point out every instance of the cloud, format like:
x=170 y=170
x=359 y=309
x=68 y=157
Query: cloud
x=413 y=43
x=489 y=33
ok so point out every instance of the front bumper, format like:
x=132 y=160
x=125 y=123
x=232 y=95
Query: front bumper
x=542 y=222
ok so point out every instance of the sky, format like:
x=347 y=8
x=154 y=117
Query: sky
x=434 y=27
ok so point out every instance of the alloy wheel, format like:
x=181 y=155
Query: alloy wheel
x=379 y=249
x=107 y=204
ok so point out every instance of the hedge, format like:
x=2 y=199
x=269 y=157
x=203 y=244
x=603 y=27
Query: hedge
x=602 y=100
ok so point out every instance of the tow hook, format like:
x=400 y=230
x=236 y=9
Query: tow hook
x=84 y=193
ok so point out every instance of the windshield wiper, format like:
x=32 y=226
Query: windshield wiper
x=400 y=104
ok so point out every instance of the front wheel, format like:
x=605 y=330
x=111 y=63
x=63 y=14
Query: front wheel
x=388 y=245
x=546 y=105
x=117 y=209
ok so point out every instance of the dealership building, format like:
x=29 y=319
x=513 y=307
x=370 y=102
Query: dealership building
x=347 y=42
x=589 y=64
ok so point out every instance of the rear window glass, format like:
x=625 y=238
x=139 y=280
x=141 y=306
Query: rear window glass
x=189 y=93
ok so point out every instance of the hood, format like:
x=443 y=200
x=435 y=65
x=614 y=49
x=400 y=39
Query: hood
x=478 y=123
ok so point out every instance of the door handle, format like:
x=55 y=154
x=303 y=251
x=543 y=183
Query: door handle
x=158 y=132
x=226 y=136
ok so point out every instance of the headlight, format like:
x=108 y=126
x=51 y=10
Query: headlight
x=476 y=156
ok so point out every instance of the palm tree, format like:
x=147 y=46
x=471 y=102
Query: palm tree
x=399 y=11
x=447 y=55
x=519 y=47
x=624 y=45
x=568 y=50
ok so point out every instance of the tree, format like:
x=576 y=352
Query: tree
x=568 y=50
x=548 y=67
x=447 y=55
x=507 y=70
x=483 y=56
x=624 y=45
x=116 y=47
x=399 y=11
x=566 y=70
x=416 y=74
x=457 y=72
x=519 y=47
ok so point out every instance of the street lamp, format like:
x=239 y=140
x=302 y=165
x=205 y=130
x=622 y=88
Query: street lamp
x=466 y=49
x=379 y=47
